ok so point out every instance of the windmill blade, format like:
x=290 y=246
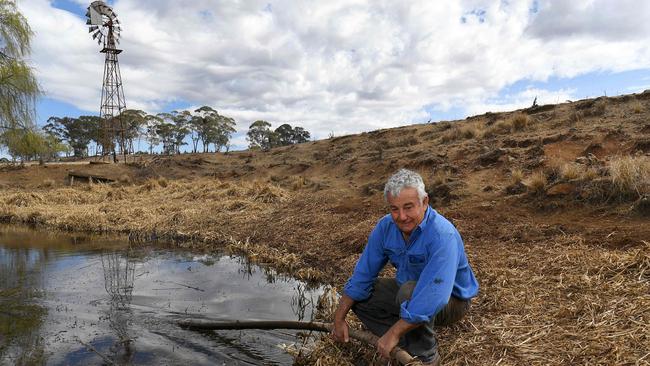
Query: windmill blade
x=95 y=16
x=116 y=21
x=97 y=34
x=92 y=29
x=88 y=22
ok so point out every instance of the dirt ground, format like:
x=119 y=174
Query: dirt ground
x=561 y=252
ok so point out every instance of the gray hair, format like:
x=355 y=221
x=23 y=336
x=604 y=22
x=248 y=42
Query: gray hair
x=404 y=178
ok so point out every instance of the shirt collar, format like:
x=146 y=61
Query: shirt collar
x=429 y=216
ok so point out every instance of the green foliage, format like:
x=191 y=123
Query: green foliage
x=28 y=144
x=18 y=85
x=133 y=121
x=212 y=128
x=261 y=136
x=76 y=132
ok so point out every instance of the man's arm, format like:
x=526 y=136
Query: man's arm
x=389 y=340
x=340 y=330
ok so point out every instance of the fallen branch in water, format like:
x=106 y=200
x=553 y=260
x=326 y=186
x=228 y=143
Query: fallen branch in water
x=403 y=357
x=107 y=360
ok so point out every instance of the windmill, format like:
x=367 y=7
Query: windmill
x=105 y=29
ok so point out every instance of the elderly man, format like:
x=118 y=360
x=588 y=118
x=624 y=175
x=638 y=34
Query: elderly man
x=434 y=282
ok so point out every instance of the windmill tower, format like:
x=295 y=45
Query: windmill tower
x=105 y=29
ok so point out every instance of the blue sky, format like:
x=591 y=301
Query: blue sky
x=337 y=67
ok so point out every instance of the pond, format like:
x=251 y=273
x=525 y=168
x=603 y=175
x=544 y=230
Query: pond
x=80 y=300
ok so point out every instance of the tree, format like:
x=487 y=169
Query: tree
x=258 y=135
x=133 y=121
x=182 y=128
x=284 y=135
x=225 y=129
x=93 y=126
x=300 y=135
x=28 y=144
x=150 y=133
x=165 y=130
x=77 y=132
x=18 y=85
x=205 y=122
x=212 y=128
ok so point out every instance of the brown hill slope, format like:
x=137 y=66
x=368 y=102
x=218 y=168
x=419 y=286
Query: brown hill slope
x=552 y=203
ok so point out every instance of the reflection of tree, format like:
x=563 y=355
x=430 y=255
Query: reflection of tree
x=119 y=275
x=21 y=317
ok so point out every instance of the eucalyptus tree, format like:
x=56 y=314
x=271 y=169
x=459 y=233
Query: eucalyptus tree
x=18 y=85
x=95 y=128
x=205 y=121
x=225 y=129
x=166 y=132
x=258 y=135
x=76 y=132
x=181 y=128
x=134 y=121
x=299 y=135
x=151 y=131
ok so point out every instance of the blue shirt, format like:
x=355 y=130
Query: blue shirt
x=434 y=257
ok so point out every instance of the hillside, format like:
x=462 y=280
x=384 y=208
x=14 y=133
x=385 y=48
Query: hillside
x=552 y=202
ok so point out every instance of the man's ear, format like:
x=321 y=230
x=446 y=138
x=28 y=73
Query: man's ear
x=425 y=201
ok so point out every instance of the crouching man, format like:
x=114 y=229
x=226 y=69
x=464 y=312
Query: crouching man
x=434 y=282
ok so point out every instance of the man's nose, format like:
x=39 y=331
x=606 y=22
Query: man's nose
x=402 y=215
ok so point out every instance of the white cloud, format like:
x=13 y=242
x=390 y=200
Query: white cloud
x=338 y=66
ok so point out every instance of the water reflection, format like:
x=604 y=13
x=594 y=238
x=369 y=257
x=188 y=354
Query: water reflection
x=99 y=301
x=119 y=275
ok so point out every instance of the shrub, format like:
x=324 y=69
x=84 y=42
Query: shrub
x=637 y=107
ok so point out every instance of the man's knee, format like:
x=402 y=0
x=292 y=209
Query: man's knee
x=405 y=291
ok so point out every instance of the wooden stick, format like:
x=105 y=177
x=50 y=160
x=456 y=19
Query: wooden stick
x=403 y=357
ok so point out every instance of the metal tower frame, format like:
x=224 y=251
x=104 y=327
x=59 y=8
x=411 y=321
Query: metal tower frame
x=112 y=102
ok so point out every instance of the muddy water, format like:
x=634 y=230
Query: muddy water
x=75 y=300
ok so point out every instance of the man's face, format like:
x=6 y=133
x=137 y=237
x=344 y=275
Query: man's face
x=407 y=210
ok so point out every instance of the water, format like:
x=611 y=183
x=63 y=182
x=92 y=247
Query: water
x=77 y=300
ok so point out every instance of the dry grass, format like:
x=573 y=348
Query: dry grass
x=519 y=121
x=637 y=107
x=571 y=171
x=516 y=176
x=630 y=176
x=537 y=182
x=466 y=131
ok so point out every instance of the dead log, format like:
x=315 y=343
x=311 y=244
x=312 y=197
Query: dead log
x=403 y=357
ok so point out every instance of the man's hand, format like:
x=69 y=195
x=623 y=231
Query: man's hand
x=386 y=343
x=389 y=340
x=340 y=331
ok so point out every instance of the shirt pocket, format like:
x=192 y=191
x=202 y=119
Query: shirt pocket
x=394 y=255
x=416 y=262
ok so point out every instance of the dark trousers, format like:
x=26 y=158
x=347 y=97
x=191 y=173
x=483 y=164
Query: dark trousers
x=381 y=310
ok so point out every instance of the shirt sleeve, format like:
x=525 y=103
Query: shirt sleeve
x=372 y=260
x=435 y=284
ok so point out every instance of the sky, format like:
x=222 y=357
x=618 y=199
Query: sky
x=340 y=67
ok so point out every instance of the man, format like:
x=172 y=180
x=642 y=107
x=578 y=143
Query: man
x=434 y=282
